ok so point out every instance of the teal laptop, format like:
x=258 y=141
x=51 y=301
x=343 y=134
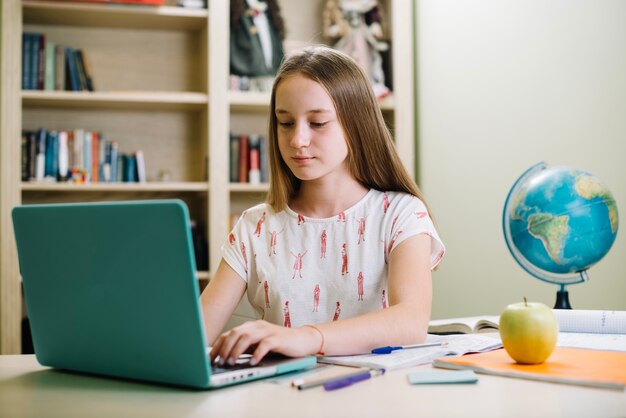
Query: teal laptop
x=111 y=289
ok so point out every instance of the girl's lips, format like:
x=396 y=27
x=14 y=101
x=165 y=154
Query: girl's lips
x=301 y=159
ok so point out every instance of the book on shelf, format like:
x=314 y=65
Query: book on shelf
x=254 y=173
x=79 y=156
x=72 y=77
x=575 y=366
x=46 y=65
x=141 y=166
x=26 y=59
x=569 y=320
x=450 y=345
x=85 y=66
x=234 y=159
x=49 y=66
x=248 y=159
x=32 y=50
x=243 y=158
x=59 y=64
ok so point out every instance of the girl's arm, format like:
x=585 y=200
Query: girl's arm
x=404 y=322
x=220 y=299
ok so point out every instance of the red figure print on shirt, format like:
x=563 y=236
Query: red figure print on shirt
x=361 y=230
x=341 y=217
x=393 y=224
x=337 y=311
x=273 y=241
x=344 y=260
x=421 y=215
x=245 y=256
x=300 y=219
x=266 y=288
x=259 y=225
x=385 y=202
x=323 y=238
x=297 y=265
x=231 y=238
x=393 y=241
x=360 y=285
x=316 y=298
x=384 y=300
x=287 y=316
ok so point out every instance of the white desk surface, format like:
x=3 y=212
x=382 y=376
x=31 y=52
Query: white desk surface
x=30 y=390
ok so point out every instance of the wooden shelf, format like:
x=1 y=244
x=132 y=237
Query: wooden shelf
x=116 y=99
x=114 y=16
x=248 y=188
x=260 y=101
x=252 y=101
x=116 y=187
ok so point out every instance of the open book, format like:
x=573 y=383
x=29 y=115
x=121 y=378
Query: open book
x=469 y=325
x=570 y=320
x=451 y=345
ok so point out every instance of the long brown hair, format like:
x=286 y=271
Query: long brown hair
x=372 y=156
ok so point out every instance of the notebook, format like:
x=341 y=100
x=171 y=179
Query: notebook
x=110 y=289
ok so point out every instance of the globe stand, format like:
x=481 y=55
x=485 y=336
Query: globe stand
x=562 y=299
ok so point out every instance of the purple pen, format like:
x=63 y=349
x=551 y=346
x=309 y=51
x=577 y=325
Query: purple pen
x=342 y=383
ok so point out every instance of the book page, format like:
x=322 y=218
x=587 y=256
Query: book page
x=611 y=342
x=592 y=321
x=464 y=325
x=468 y=343
x=395 y=360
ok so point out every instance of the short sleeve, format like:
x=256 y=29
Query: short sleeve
x=411 y=218
x=236 y=249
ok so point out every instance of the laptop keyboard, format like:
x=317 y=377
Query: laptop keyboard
x=243 y=362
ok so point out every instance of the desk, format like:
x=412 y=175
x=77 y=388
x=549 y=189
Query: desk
x=30 y=390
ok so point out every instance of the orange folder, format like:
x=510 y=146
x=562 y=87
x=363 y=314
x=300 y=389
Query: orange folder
x=576 y=366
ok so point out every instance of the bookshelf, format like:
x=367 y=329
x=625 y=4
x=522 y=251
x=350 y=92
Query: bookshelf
x=161 y=79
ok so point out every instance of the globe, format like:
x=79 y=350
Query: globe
x=558 y=222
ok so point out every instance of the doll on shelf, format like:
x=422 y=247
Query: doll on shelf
x=355 y=28
x=257 y=31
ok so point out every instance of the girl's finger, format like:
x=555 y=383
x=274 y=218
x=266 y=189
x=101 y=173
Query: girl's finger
x=264 y=347
x=239 y=348
x=216 y=348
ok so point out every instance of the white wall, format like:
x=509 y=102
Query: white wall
x=503 y=84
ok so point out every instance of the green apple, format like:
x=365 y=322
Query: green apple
x=529 y=331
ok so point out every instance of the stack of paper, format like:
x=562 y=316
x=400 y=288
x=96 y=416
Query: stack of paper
x=451 y=345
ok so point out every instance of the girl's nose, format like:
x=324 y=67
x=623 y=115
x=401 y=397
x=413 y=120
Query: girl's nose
x=300 y=137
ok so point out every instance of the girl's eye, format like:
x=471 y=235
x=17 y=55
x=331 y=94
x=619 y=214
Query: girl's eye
x=285 y=124
x=318 y=124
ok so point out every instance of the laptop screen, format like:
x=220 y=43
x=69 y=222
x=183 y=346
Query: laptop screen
x=110 y=289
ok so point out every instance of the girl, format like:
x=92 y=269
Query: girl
x=353 y=224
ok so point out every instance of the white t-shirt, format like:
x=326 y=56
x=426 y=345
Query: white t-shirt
x=302 y=270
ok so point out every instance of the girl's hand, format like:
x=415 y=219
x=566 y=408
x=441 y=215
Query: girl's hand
x=261 y=337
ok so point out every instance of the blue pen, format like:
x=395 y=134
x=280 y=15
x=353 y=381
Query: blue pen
x=350 y=380
x=388 y=349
